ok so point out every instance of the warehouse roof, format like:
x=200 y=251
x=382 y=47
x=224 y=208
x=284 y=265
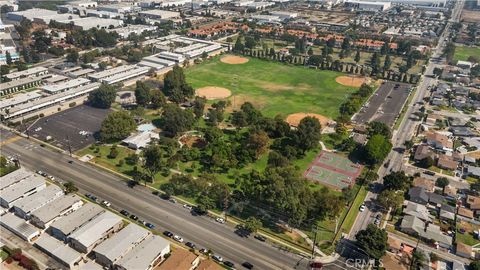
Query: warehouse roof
x=13 y=177
x=17 y=190
x=58 y=249
x=55 y=208
x=143 y=255
x=19 y=99
x=19 y=226
x=54 y=88
x=88 y=234
x=118 y=245
x=25 y=73
x=39 y=199
x=75 y=220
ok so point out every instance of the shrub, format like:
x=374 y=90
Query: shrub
x=121 y=162
x=113 y=153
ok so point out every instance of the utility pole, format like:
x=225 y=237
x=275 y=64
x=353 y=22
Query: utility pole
x=314 y=227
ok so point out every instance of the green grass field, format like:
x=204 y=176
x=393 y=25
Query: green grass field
x=462 y=53
x=273 y=88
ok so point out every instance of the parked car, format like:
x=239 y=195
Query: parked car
x=203 y=251
x=187 y=206
x=362 y=207
x=167 y=234
x=260 y=237
x=247 y=265
x=124 y=212
x=178 y=238
x=149 y=225
x=229 y=263
x=220 y=220
x=106 y=203
x=217 y=258
x=190 y=245
x=172 y=200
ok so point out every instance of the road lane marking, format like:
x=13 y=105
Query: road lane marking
x=10 y=140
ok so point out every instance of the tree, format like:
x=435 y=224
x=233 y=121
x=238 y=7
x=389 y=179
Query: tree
x=396 y=181
x=310 y=51
x=426 y=162
x=4 y=70
x=238 y=47
x=249 y=43
x=205 y=203
x=102 y=97
x=390 y=199
x=387 y=63
x=474 y=265
x=357 y=57
x=157 y=98
x=377 y=149
x=373 y=241
x=442 y=182
x=176 y=120
x=252 y=224
x=199 y=106
x=418 y=259
x=142 y=93
x=72 y=56
x=152 y=161
x=379 y=128
x=117 y=126
x=370 y=176
x=70 y=187
x=308 y=133
x=409 y=144
x=175 y=85
x=8 y=58
x=258 y=141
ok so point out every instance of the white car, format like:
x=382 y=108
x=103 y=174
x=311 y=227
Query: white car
x=362 y=208
x=217 y=258
x=187 y=206
x=178 y=238
x=107 y=203
x=220 y=220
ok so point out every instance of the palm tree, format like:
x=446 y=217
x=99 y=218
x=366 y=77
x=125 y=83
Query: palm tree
x=418 y=260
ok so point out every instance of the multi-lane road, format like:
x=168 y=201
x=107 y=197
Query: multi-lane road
x=202 y=231
x=407 y=126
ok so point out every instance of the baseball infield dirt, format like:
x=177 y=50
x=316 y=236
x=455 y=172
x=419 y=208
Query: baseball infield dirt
x=234 y=60
x=213 y=92
x=351 y=80
x=294 y=119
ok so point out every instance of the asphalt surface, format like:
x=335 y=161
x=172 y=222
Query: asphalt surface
x=385 y=104
x=75 y=127
x=203 y=231
x=405 y=131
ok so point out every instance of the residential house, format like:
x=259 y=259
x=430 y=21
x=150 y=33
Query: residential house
x=436 y=199
x=423 y=151
x=464 y=250
x=180 y=259
x=394 y=245
x=473 y=171
x=428 y=184
x=209 y=265
x=450 y=192
x=462 y=132
x=418 y=195
x=414 y=226
x=439 y=141
x=417 y=210
x=465 y=213
x=473 y=203
x=447 y=163
x=469 y=160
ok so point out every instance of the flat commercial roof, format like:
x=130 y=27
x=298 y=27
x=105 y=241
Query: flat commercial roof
x=92 y=22
x=18 y=99
x=19 y=226
x=127 y=75
x=17 y=190
x=75 y=220
x=58 y=249
x=26 y=73
x=45 y=101
x=20 y=82
x=13 y=177
x=96 y=228
x=155 y=59
x=82 y=72
x=164 y=14
x=55 y=208
x=151 y=65
x=111 y=72
x=142 y=255
x=91 y=265
x=38 y=199
x=122 y=242
x=56 y=79
x=53 y=88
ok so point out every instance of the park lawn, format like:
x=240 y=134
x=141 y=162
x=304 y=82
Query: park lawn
x=272 y=87
x=462 y=53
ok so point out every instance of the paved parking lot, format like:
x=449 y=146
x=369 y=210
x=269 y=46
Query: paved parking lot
x=77 y=127
x=385 y=104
